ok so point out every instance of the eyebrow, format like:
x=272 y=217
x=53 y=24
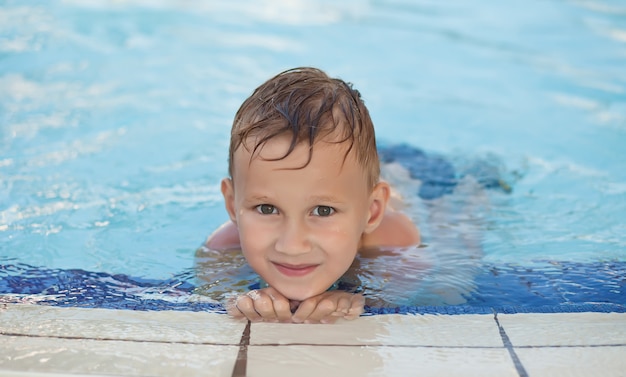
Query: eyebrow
x=258 y=198
x=325 y=199
x=314 y=198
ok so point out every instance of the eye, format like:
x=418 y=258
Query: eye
x=266 y=209
x=323 y=211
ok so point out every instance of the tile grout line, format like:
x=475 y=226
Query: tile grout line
x=509 y=347
x=241 y=363
x=66 y=337
x=104 y=339
x=381 y=345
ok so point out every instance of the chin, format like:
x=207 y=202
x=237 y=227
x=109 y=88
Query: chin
x=299 y=295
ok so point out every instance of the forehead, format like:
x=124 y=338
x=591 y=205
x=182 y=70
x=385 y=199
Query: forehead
x=329 y=158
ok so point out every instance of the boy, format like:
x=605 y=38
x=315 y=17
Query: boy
x=304 y=196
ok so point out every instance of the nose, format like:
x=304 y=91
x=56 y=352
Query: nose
x=293 y=238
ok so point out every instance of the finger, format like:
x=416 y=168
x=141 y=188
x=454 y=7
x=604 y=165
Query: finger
x=343 y=306
x=357 y=307
x=263 y=305
x=281 y=306
x=232 y=309
x=304 y=310
x=329 y=319
x=246 y=306
x=324 y=308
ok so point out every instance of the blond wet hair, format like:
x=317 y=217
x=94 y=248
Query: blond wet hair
x=308 y=106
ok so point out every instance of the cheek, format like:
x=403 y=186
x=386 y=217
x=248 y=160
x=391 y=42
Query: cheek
x=253 y=234
x=253 y=247
x=341 y=257
x=346 y=230
x=340 y=241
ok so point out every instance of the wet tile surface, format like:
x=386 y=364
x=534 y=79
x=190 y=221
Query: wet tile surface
x=121 y=342
x=40 y=340
x=11 y=373
x=129 y=358
x=170 y=326
x=565 y=329
x=392 y=329
x=378 y=361
x=574 y=361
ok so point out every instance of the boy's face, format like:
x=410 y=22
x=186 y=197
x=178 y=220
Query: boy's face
x=300 y=228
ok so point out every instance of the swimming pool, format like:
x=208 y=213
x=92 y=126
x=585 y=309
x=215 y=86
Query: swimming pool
x=115 y=123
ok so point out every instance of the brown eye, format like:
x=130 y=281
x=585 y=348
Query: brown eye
x=266 y=209
x=323 y=211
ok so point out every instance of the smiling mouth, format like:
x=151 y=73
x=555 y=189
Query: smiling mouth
x=295 y=270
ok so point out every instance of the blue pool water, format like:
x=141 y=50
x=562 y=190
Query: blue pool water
x=114 y=125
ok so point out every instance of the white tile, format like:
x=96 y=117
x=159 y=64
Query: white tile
x=129 y=358
x=172 y=326
x=414 y=330
x=12 y=373
x=565 y=329
x=326 y=361
x=573 y=361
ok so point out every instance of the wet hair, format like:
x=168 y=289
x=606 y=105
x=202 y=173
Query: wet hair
x=307 y=105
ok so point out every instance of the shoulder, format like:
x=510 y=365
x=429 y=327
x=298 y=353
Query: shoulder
x=395 y=230
x=225 y=237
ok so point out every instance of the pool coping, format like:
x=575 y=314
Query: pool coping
x=497 y=343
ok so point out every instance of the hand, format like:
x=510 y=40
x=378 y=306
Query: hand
x=265 y=304
x=328 y=307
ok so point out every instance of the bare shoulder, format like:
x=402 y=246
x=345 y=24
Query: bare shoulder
x=395 y=230
x=225 y=237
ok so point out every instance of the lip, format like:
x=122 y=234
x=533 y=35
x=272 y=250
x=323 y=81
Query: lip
x=293 y=270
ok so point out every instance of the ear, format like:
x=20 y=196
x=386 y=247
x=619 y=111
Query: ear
x=228 y=191
x=377 y=206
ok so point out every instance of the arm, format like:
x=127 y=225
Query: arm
x=395 y=230
x=225 y=237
